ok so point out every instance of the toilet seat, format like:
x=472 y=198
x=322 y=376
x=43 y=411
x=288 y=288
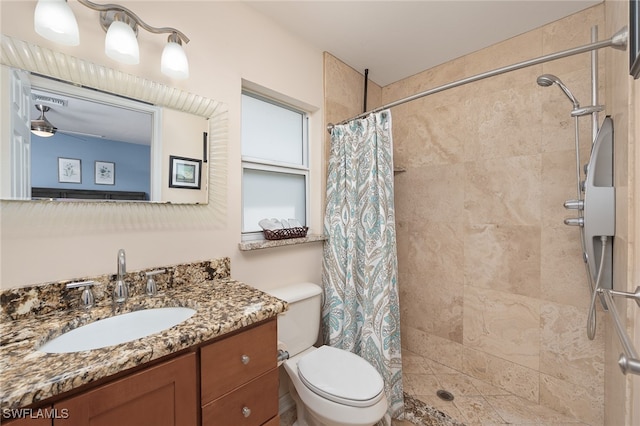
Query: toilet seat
x=341 y=376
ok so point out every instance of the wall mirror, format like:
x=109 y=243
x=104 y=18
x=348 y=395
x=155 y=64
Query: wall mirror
x=156 y=148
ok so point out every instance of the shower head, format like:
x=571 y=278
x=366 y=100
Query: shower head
x=547 y=80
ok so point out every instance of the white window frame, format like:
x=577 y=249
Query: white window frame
x=259 y=164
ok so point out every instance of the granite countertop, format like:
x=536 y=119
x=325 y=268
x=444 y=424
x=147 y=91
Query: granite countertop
x=28 y=376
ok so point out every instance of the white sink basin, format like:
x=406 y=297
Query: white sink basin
x=118 y=329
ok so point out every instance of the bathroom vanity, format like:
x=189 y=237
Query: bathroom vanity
x=219 y=367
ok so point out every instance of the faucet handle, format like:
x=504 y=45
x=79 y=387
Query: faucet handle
x=86 y=298
x=152 y=289
x=155 y=272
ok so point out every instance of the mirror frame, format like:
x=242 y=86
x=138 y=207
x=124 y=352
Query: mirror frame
x=40 y=60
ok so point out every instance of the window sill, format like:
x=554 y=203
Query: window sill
x=262 y=244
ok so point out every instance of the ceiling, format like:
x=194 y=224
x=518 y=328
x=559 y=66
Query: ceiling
x=81 y=118
x=397 y=39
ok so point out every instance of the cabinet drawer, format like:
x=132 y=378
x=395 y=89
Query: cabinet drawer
x=251 y=405
x=232 y=362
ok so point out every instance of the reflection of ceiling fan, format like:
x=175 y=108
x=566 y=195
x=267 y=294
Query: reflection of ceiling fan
x=43 y=127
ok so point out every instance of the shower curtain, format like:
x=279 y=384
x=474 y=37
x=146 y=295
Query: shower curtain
x=360 y=311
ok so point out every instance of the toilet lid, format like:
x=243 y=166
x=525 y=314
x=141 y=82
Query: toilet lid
x=341 y=376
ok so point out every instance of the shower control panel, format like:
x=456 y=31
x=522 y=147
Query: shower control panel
x=597 y=210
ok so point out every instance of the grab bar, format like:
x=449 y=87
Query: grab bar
x=628 y=361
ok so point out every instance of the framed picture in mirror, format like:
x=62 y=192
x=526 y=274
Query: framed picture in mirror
x=69 y=170
x=105 y=173
x=184 y=172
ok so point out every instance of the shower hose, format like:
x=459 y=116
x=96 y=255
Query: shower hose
x=591 y=318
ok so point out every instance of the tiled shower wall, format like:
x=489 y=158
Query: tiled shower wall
x=492 y=282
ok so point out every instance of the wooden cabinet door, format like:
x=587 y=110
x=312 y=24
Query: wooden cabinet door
x=162 y=395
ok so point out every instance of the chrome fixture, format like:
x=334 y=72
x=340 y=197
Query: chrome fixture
x=152 y=288
x=547 y=80
x=579 y=112
x=629 y=362
x=121 y=290
x=86 y=298
x=41 y=126
x=55 y=21
x=618 y=41
x=635 y=295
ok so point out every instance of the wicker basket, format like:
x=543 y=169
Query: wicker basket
x=281 y=234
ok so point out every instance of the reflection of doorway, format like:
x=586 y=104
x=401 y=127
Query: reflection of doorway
x=97 y=128
x=16 y=155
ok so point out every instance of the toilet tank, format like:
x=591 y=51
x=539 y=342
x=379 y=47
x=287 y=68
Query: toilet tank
x=298 y=326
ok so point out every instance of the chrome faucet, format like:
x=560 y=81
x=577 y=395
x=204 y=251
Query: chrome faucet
x=121 y=290
x=86 y=299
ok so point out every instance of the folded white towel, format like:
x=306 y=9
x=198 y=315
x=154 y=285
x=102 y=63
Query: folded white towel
x=270 y=224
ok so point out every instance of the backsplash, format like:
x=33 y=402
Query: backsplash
x=47 y=297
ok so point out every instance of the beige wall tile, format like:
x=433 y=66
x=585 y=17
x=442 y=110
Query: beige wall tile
x=563 y=276
x=516 y=49
x=503 y=325
x=429 y=135
x=477 y=411
x=423 y=303
x=505 y=258
x=434 y=194
x=566 y=353
x=503 y=123
x=559 y=180
x=573 y=400
x=427 y=80
x=433 y=347
x=516 y=410
x=512 y=377
x=569 y=32
x=503 y=191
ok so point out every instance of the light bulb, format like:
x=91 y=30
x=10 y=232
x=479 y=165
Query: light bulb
x=174 y=61
x=55 y=21
x=121 y=43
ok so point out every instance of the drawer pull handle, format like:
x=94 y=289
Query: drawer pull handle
x=245 y=360
x=246 y=411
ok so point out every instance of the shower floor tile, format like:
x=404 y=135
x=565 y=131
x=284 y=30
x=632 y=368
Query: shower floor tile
x=475 y=402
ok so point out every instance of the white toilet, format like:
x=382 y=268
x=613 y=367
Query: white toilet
x=330 y=386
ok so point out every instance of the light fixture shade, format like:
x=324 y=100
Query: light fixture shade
x=41 y=126
x=121 y=43
x=42 y=133
x=174 y=61
x=55 y=21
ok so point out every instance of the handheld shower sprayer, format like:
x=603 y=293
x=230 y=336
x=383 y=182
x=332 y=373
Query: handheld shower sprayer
x=546 y=80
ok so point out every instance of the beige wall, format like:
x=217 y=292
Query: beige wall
x=229 y=42
x=177 y=128
x=492 y=282
x=622 y=401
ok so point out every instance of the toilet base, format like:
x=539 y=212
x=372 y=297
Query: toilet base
x=305 y=416
x=330 y=411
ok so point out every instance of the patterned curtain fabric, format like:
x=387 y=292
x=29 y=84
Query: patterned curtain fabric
x=360 y=310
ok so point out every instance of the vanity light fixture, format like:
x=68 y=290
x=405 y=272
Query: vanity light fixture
x=121 y=43
x=55 y=21
x=41 y=126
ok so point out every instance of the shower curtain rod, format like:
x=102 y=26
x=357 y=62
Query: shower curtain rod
x=618 y=41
